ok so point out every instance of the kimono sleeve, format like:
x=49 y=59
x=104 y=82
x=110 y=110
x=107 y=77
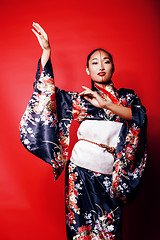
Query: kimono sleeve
x=131 y=153
x=42 y=131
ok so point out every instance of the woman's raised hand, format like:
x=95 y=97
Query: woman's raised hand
x=41 y=35
x=43 y=41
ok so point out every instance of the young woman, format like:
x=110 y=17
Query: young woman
x=108 y=160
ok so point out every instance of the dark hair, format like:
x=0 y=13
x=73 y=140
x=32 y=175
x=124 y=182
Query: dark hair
x=100 y=49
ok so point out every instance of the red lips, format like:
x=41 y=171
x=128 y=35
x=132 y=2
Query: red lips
x=101 y=74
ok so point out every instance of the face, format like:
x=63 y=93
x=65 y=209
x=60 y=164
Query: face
x=100 y=67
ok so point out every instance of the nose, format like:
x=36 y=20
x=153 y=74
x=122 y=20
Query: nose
x=101 y=68
x=101 y=65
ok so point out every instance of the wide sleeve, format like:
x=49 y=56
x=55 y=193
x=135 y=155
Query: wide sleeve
x=44 y=127
x=131 y=152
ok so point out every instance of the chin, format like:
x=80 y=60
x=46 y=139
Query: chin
x=102 y=82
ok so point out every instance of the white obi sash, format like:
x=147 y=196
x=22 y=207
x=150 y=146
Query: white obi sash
x=91 y=156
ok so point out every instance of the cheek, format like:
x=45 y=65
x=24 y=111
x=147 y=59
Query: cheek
x=93 y=71
x=109 y=69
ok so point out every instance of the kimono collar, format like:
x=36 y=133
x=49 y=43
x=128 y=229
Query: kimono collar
x=109 y=93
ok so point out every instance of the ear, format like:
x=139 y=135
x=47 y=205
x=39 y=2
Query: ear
x=87 y=71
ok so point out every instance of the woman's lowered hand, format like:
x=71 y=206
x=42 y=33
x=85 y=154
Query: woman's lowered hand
x=93 y=97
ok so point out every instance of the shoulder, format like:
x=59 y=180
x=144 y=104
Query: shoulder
x=129 y=96
x=126 y=91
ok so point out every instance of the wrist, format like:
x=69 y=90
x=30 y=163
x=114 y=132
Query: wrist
x=108 y=105
x=48 y=49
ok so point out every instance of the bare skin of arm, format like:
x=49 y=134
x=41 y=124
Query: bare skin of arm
x=98 y=101
x=43 y=41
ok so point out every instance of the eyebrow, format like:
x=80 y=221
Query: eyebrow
x=94 y=58
x=97 y=58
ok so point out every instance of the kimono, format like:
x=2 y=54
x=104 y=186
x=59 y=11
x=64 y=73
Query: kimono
x=94 y=201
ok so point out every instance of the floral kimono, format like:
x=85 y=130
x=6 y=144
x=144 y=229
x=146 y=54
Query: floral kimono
x=94 y=200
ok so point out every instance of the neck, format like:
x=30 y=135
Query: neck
x=104 y=85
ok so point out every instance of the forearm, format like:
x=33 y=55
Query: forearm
x=45 y=56
x=122 y=112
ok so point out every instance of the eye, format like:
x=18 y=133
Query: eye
x=107 y=61
x=94 y=62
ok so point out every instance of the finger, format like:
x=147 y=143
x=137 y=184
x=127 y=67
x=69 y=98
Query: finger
x=35 y=25
x=82 y=92
x=40 y=29
x=87 y=98
x=37 y=28
x=85 y=93
x=37 y=35
x=86 y=88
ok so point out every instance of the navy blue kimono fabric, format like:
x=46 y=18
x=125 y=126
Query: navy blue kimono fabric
x=94 y=201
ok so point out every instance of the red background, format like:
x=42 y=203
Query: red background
x=31 y=204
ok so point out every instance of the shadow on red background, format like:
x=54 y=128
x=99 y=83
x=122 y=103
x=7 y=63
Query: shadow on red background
x=31 y=204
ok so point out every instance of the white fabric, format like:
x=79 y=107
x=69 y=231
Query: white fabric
x=91 y=156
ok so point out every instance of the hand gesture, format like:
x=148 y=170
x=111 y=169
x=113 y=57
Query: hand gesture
x=93 y=97
x=41 y=36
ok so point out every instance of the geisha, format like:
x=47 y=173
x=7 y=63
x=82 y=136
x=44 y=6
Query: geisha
x=107 y=162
